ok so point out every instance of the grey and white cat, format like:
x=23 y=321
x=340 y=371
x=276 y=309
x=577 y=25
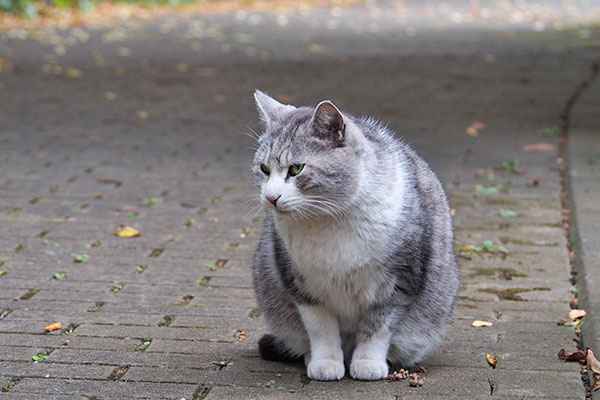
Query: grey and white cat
x=356 y=264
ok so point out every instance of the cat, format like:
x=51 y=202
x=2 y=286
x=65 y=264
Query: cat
x=356 y=265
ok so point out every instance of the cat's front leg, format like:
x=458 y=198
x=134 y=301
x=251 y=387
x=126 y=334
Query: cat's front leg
x=369 y=360
x=327 y=358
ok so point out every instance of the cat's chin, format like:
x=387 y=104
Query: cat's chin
x=279 y=211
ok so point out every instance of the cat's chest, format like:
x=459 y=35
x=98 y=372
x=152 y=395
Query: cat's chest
x=339 y=264
x=335 y=249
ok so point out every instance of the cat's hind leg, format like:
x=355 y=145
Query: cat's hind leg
x=408 y=348
x=273 y=348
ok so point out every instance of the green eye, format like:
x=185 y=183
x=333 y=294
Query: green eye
x=265 y=169
x=296 y=169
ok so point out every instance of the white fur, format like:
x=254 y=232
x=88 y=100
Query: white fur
x=326 y=362
x=337 y=258
x=369 y=358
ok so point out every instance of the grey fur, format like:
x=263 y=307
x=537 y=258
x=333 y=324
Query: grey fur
x=416 y=296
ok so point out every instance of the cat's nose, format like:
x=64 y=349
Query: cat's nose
x=273 y=199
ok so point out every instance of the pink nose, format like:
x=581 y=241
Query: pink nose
x=273 y=199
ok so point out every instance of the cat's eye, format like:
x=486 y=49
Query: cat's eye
x=266 y=170
x=296 y=169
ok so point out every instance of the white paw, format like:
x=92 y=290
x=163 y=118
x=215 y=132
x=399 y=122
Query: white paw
x=368 y=370
x=325 y=370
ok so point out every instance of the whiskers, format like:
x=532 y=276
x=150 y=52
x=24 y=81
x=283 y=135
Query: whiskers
x=252 y=134
x=253 y=206
x=308 y=207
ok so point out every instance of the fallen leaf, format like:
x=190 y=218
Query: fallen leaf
x=481 y=324
x=397 y=375
x=576 y=355
x=593 y=365
x=534 y=182
x=576 y=314
x=574 y=302
x=54 y=327
x=239 y=335
x=73 y=73
x=421 y=368
x=415 y=380
x=538 y=147
x=475 y=129
x=79 y=257
x=492 y=360
x=128 y=232
x=188 y=204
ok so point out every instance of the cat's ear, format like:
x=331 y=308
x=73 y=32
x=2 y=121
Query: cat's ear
x=328 y=122
x=269 y=108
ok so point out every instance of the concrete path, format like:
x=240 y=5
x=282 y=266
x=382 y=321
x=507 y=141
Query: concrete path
x=142 y=125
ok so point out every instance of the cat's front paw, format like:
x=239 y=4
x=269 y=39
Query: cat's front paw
x=325 y=370
x=368 y=370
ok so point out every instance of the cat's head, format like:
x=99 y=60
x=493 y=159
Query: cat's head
x=308 y=163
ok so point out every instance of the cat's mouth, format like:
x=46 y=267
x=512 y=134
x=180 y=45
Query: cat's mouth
x=280 y=210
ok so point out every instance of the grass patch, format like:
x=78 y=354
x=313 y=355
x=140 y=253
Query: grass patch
x=29 y=294
x=143 y=346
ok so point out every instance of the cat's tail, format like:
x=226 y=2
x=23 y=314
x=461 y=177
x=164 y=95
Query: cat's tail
x=274 y=349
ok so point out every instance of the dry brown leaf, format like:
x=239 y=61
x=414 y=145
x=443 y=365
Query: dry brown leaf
x=239 y=335
x=593 y=365
x=574 y=303
x=54 y=327
x=538 y=147
x=475 y=129
x=481 y=324
x=576 y=314
x=189 y=204
x=576 y=355
x=421 y=368
x=492 y=360
x=415 y=380
x=128 y=232
x=397 y=375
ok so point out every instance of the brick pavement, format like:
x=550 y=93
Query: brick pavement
x=160 y=316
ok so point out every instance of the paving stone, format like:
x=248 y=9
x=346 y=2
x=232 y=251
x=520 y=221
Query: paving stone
x=110 y=388
x=49 y=370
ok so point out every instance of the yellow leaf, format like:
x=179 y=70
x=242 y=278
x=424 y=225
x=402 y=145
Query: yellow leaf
x=73 y=73
x=128 y=232
x=475 y=128
x=480 y=324
x=472 y=131
x=576 y=314
x=491 y=360
x=54 y=327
